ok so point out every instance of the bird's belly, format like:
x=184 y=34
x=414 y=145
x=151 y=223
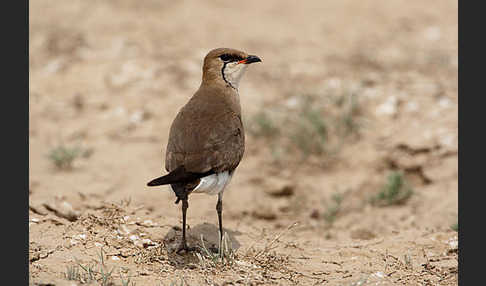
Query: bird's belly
x=214 y=184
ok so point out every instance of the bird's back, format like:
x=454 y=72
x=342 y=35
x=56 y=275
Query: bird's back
x=207 y=133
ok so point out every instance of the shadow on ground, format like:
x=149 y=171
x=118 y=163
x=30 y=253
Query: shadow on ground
x=209 y=233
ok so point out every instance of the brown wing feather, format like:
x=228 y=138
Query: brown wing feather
x=207 y=134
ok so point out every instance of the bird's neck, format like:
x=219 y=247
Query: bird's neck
x=232 y=74
x=220 y=92
x=220 y=86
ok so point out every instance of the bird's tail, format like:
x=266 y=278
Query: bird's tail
x=179 y=175
x=164 y=180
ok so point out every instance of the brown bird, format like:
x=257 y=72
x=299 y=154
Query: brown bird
x=207 y=139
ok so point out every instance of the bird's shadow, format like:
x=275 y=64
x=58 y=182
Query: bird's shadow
x=206 y=232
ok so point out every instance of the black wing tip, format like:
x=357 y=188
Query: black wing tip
x=150 y=184
x=179 y=175
x=154 y=183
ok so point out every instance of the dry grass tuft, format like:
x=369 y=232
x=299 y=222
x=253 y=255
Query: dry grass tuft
x=312 y=125
x=224 y=256
x=96 y=272
x=63 y=157
x=333 y=208
x=455 y=226
x=396 y=191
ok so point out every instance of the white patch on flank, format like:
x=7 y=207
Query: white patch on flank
x=233 y=73
x=213 y=184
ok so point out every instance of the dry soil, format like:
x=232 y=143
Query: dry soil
x=108 y=77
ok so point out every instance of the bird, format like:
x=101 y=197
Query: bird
x=207 y=139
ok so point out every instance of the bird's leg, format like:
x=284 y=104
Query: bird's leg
x=183 y=245
x=219 y=210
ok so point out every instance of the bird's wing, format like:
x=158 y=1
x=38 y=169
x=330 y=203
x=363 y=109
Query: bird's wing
x=203 y=140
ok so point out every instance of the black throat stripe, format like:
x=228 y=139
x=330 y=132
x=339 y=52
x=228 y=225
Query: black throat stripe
x=224 y=78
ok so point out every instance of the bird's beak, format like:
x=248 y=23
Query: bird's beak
x=250 y=59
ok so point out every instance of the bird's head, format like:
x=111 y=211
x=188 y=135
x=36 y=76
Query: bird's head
x=226 y=66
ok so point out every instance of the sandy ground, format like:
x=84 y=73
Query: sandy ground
x=108 y=77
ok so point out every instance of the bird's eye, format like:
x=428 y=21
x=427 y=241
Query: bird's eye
x=226 y=57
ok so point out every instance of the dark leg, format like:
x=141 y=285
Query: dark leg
x=183 y=245
x=219 y=209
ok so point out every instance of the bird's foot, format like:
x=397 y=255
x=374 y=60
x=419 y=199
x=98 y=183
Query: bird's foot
x=184 y=248
x=214 y=249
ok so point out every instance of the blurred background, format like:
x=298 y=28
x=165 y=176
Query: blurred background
x=351 y=118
